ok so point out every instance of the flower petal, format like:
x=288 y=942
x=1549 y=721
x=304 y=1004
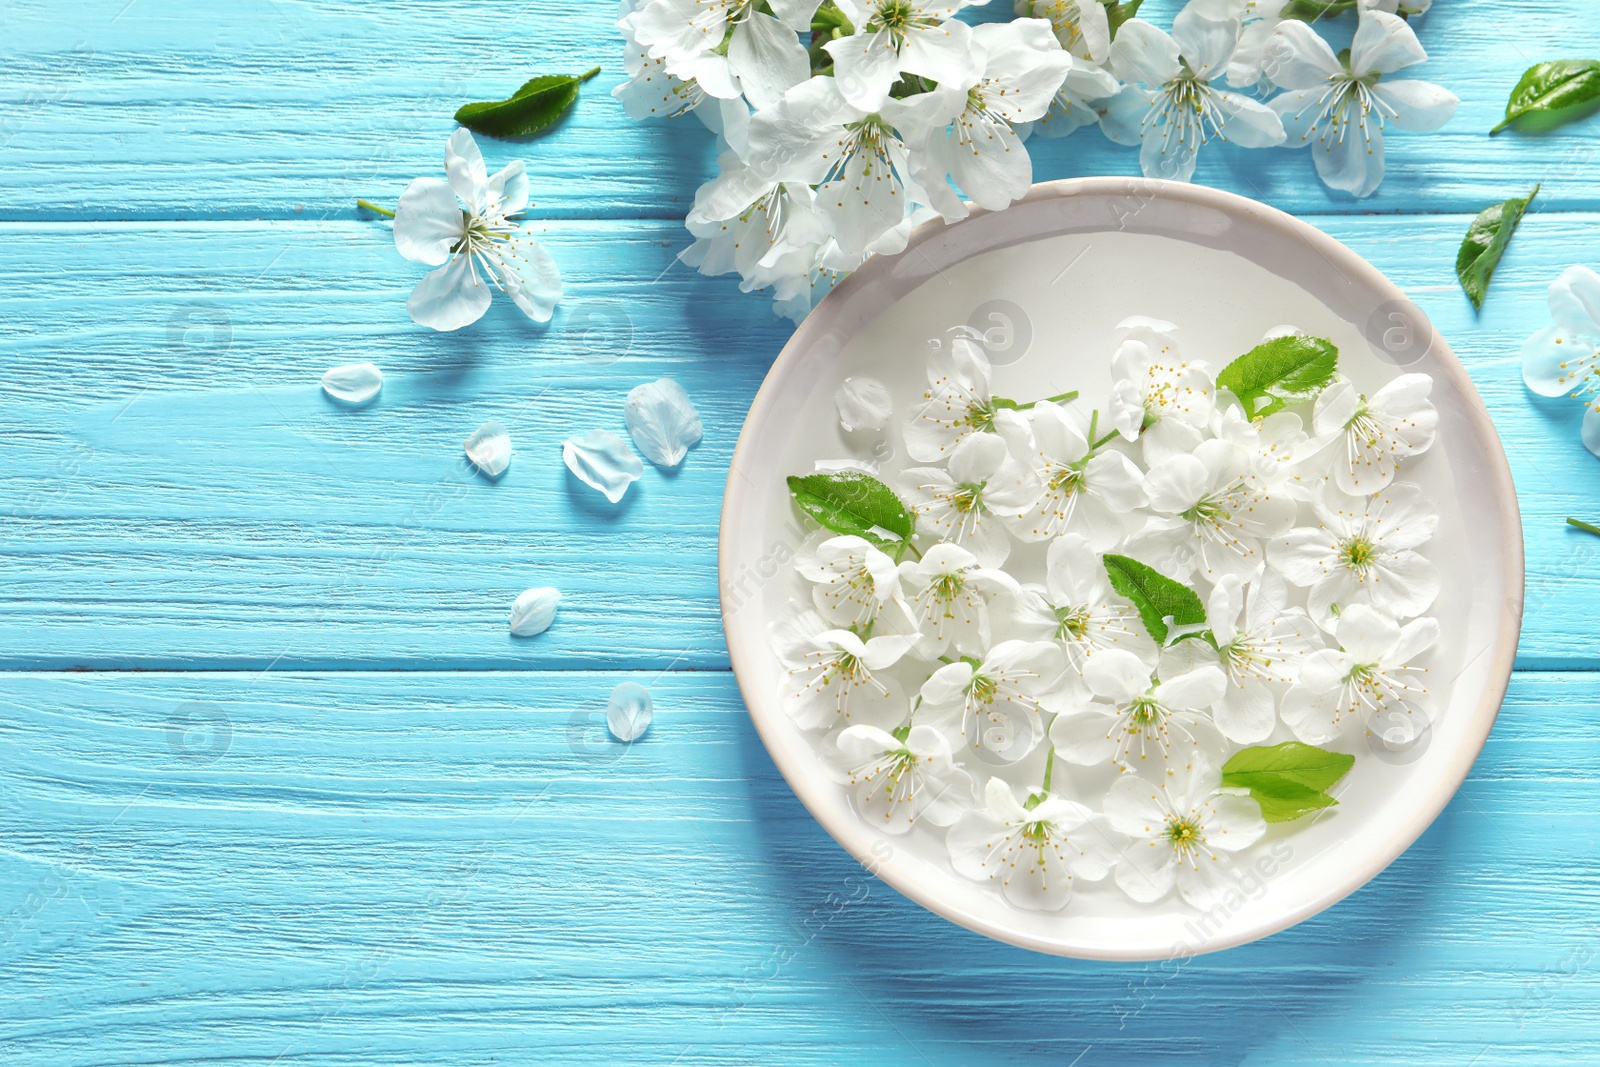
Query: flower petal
x=1298 y=58
x=603 y=461
x=1142 y=53
x=662 y=421
x=427 y=222
x=1117 y=675
x=1551 y=360
x=1419 y=107
x=1250 y=123
x=463 y=164
x=490 y=449
x=449 y=298
x=354 y=384
x=629 y=711
x=863 y=403
x=1383 y=43
x=534 y=610
x=1575 y=301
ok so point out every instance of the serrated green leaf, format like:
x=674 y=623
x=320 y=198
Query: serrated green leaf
x=1156 y=597
x=1307 y=765
x=1287 y=780
x=537 y=104
x=1559 y=91
x=1486 y=242
x=850 y=502
x=1292 y=803
x=1120 y=11
x=1279 y=372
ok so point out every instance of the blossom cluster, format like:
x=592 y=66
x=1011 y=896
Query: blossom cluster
x=842 y=124
x=1564 y=359
x=995 y=674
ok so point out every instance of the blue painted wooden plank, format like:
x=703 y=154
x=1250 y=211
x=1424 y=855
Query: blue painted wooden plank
x=460 y=869
x=271 y=109
x=171 y=500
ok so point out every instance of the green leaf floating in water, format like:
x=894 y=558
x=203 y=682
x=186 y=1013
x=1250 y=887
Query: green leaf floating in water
x=1287 y=780
x=1557 y=92
x=850 y=502
x=1279 y=372
x=530 y=109
x=1158 y=599
x=1486 y=242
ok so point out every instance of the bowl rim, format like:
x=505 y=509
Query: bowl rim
x=859 y=840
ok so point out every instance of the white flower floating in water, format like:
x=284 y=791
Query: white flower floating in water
x=601 y=460
x=1564 y=359
x=534 y=610
x=1133 y=624
x=356 y=383
x=863 y=404
x=662 y=421
x=489 y=449
x=466 y=225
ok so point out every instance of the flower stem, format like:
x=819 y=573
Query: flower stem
x=1102 y=440
x=586 y=75
x=1062 y=399
x=1049 y=768
x=1587 y=527
x=380 y=210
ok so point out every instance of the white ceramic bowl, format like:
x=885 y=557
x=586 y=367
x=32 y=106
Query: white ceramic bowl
x=1053 y=274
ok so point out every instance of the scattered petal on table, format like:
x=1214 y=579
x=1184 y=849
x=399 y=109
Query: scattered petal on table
x=863 y=404
x=602 y=460
x=534 y=610
x=662 y=421
x=354 y=384
x=490 y=449
x=629 y=711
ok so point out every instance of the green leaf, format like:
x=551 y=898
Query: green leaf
x=850 y=502
x=1157 y=598
x=1280 y=372
x=1485 y=243
x=530 y=109
x=1557 y=91
x=1120 y=11
x=1311 y=10
x=1287 y=780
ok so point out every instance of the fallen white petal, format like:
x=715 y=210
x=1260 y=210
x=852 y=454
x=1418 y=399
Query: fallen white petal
x=490 y=449
x=629 y=711
x=863 y=403
x=534 y=610
x=602 y=460
x=354 y=384
x=662 y=421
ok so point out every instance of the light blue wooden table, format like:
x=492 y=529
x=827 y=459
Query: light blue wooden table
x=277 y=787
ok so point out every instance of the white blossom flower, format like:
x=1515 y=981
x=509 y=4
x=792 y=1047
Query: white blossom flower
x=1138 y=719
x=996 y=702
x=1183 y=832
x=895 y=37
x=1156 y=396
x=756 y=52
x=836 y=679
x=1565 y=357
x=1260 y=644
x=964 y=504
x=465 y=224
x=1249 y=67
x=1344 y=107
x=855 y=158
x=900 y=777
x=766 y=231
x=949 y=597
x=1363 y=553
x=965 y=128
x=853 y=583
x=1077 y=608
x=1371 y=679
x=957 y=402
x=1369 y=437
x=1210 y=514
x=1089 y=491
x=1170 y=108
x=1274 y=444
x=1033 y=853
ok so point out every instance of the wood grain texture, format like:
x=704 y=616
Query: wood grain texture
x=282 y=108
x=179 y=493
x=462 y=869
